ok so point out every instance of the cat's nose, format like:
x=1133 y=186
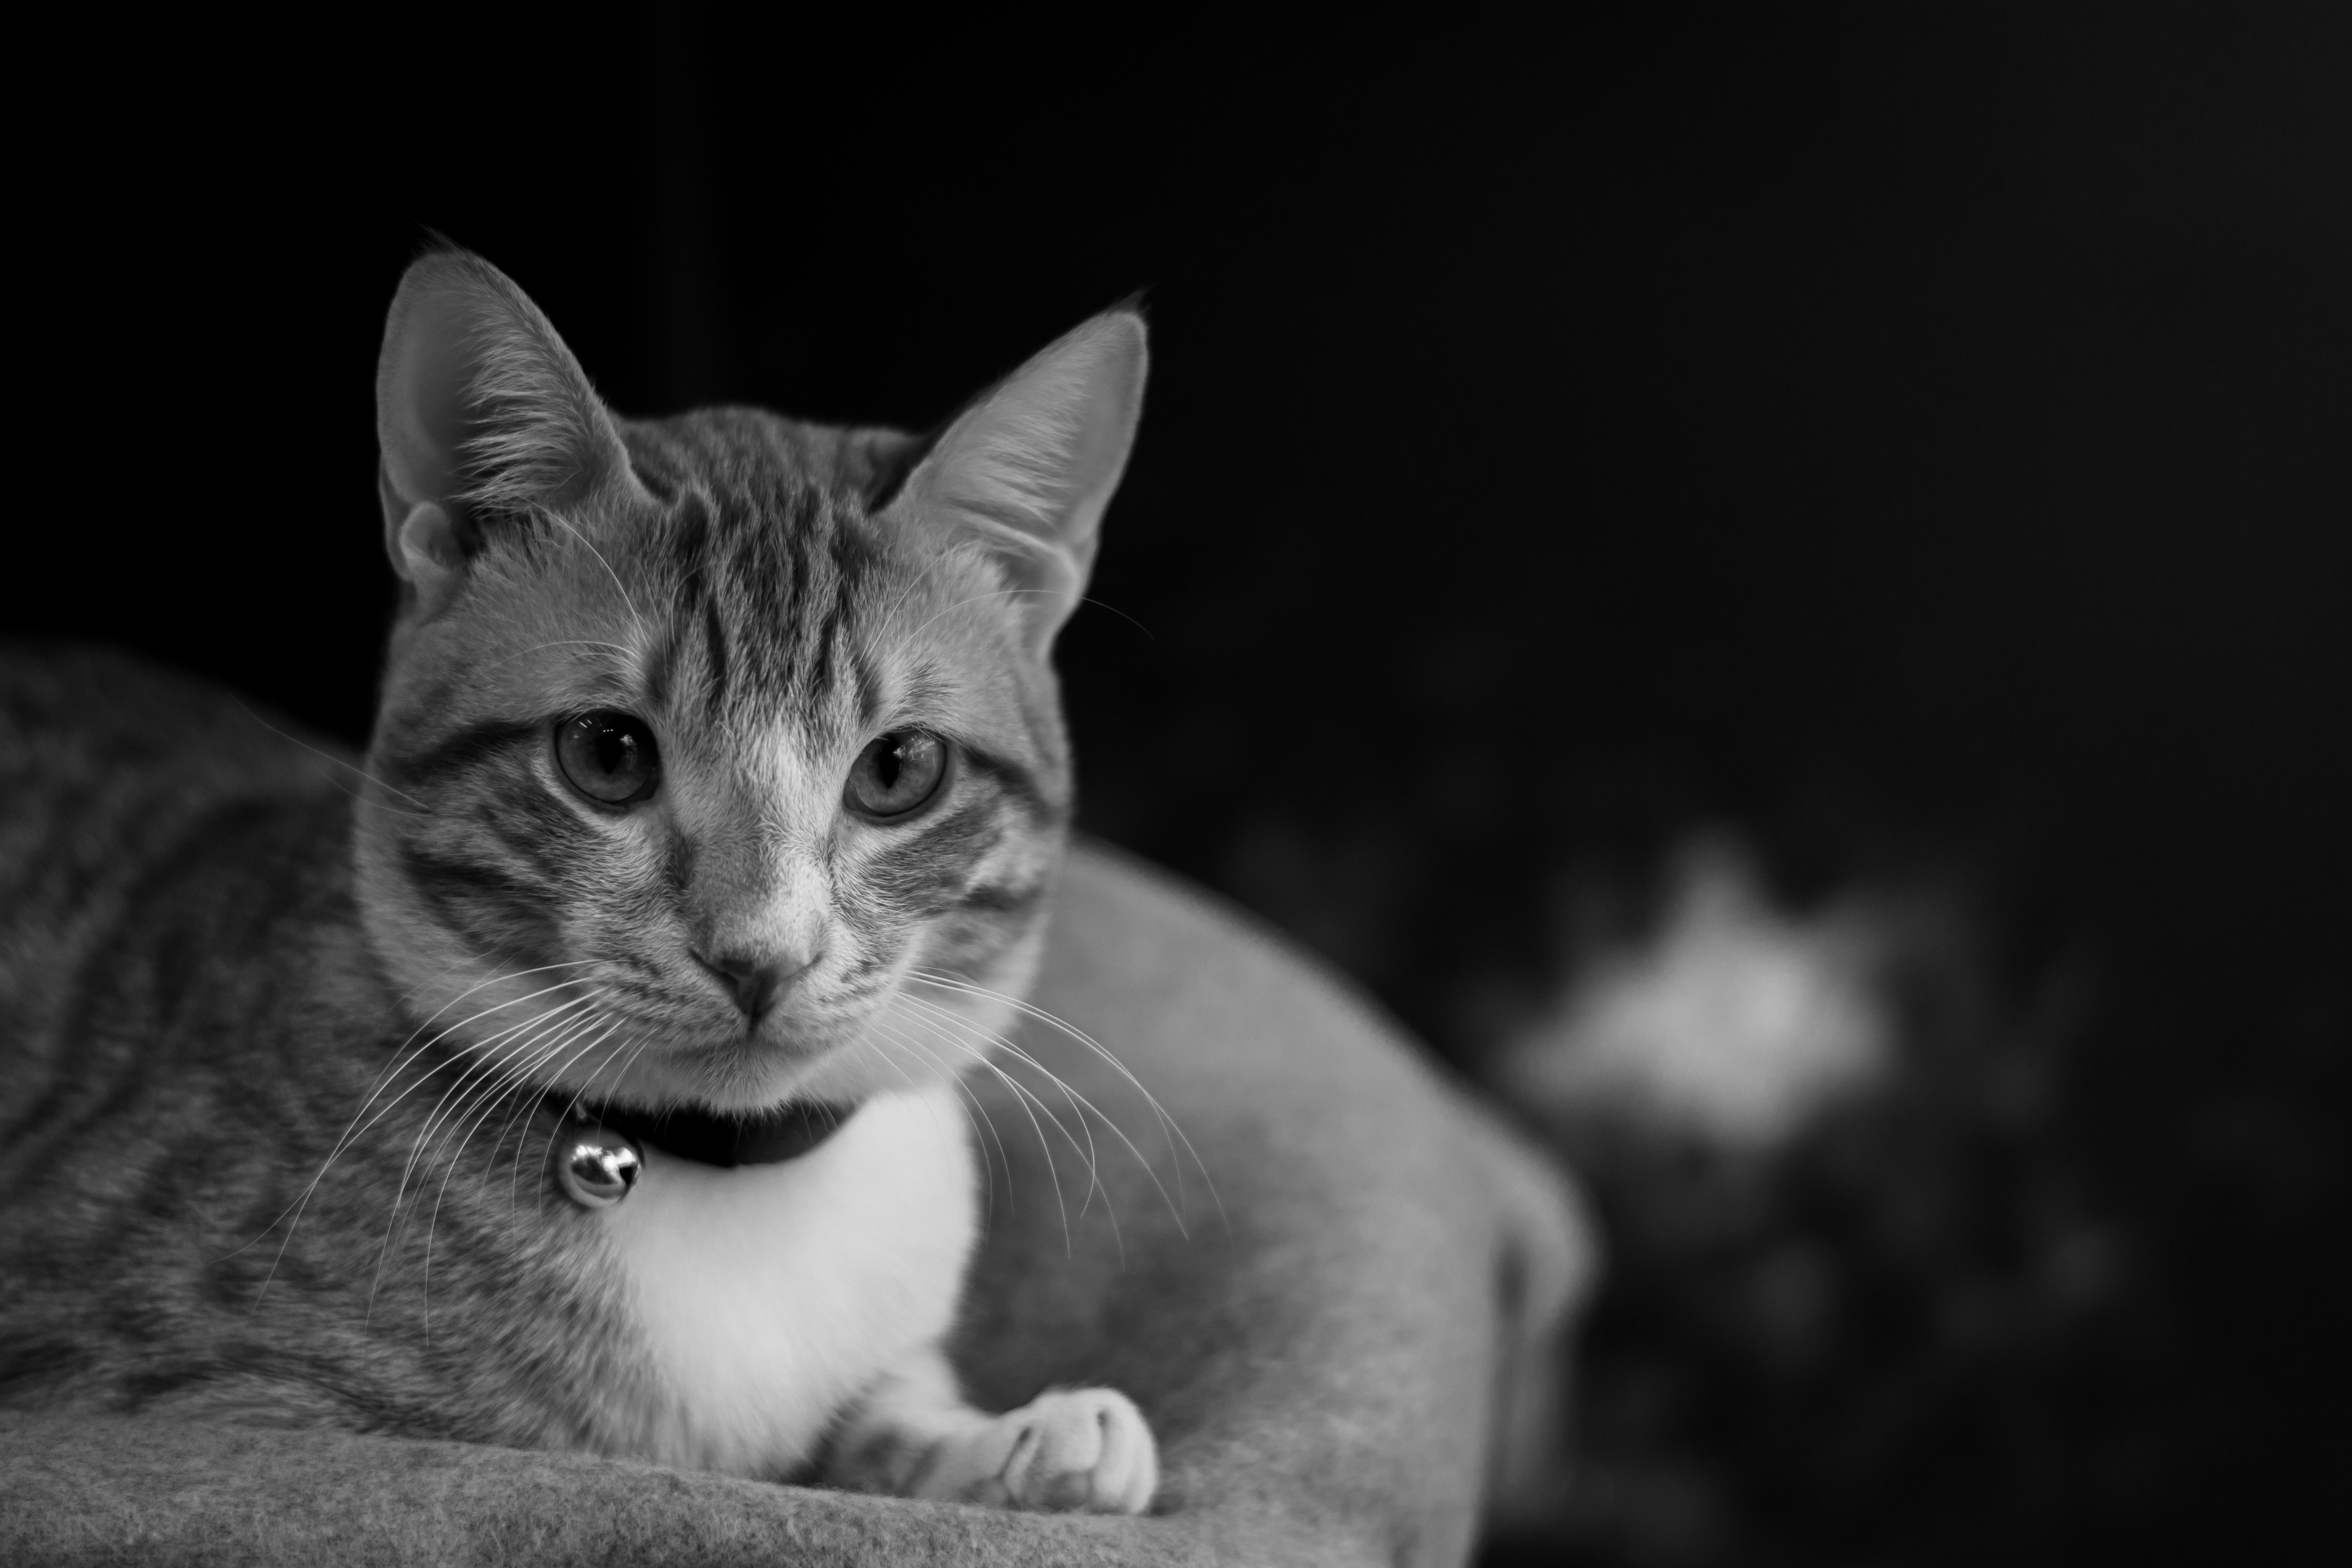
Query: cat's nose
x=755 y=983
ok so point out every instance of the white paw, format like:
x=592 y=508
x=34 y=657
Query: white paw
x=1069 y=1448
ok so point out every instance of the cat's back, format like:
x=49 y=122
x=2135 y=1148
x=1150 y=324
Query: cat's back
x=110 y=770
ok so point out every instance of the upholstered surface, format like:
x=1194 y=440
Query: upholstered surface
x=1328 y=1347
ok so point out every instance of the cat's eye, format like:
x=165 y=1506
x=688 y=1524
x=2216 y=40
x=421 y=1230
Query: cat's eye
x=608 y=756
x=898 y=774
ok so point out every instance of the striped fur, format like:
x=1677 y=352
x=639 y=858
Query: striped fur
x=746 y=598
x=770 y=597
x=277 y=1029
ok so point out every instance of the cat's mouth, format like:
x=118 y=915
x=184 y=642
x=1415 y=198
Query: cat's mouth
x=687 y=1068
x=636 y=1046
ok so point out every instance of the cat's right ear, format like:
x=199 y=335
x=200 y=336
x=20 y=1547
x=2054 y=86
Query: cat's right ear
x=1030 y=467
x=481 y=412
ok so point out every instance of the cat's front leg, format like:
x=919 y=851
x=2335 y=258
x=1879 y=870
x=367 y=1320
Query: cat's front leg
x=911 y=1434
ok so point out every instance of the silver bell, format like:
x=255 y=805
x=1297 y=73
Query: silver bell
x=598 y=1168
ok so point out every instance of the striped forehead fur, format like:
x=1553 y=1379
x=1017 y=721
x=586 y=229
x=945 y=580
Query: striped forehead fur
x=765 y=569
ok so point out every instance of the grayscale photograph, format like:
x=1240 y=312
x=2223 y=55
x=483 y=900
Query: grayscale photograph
x=1428 y=792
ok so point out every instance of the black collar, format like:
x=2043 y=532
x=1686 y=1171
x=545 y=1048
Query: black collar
x=714 y=1138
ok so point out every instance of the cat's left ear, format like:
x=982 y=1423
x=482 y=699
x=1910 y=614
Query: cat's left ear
x=1031 y=466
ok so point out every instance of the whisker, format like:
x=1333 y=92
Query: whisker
x=475 y=1083
x=570 y=1106
x=515 y=1177
x=1082 y=1106
x=491 y=1053
x=1170 y=1128
x=972 y=1105
x=864 y=1039
x=956 y=983
x=422 y=809
x=492 y=1056
x=403 y=1057
x=901 y=645
x=988 y=1195
x=517 y=1111
x=1077 y=1102
x=468 y=1122
x=409 y=993
x=1114 y=609
x=1024 y=1100
x=347 y=790
x=515 y=1075
x=906 y=594
x=635 y=616
x=384 y=1080
x=622 y=648
x=527 y=1104
x=1022 y=1103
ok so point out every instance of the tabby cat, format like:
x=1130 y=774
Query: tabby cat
x=715 y=795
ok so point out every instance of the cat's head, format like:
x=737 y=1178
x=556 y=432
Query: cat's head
x=719 y=757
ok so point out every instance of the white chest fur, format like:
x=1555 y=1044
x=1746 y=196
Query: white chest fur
x=767 y=1296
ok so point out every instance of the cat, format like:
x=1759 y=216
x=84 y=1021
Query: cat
x=581 y=1072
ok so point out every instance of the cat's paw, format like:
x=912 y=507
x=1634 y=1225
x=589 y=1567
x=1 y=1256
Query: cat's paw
x=1069 y=1448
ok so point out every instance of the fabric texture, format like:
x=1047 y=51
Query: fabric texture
x=1329 y=1347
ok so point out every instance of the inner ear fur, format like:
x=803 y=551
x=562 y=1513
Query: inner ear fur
x=480 y=410
x=1030 y=467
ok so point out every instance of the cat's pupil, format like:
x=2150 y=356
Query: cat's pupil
x=898 y=772
x=608 y=757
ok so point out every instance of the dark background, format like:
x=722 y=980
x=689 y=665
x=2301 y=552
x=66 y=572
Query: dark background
x=1916 y=441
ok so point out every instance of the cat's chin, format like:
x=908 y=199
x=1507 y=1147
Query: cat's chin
x=907 y=1044
x=736 y=1081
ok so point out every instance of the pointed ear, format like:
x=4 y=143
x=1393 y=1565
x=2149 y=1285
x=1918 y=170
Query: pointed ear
x=480 y=411
x=1031 y=467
